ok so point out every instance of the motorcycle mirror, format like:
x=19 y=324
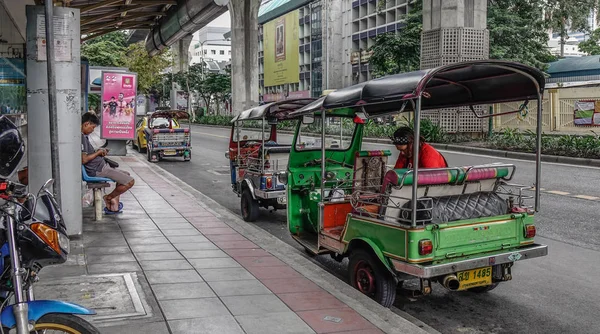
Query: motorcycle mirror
x=46 y=186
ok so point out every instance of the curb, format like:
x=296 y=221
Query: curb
x=519 y=155
x=479 y=150
x=381 y=317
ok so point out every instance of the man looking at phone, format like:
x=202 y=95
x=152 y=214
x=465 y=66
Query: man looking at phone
x=95 y=165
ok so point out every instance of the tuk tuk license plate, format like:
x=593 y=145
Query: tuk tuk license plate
x=170 y=152
x=474 y=278
x=282 y=200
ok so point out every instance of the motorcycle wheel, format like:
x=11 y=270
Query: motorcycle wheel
x=64 y=323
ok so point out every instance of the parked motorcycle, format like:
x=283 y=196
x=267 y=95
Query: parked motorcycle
x=33 y=235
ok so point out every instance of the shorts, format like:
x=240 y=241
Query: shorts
x=119 y=176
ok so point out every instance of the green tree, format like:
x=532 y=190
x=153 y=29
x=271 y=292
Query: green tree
x=148 y=68
x=564 y=15
x=591 y=46
x=105 y=50
x=210 y=87
x=518 y=32
x=396 y=53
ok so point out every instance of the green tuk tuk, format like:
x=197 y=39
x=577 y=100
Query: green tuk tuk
x=463 y=227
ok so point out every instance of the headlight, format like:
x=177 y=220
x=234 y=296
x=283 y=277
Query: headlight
x=64 y=242
x=282 y=177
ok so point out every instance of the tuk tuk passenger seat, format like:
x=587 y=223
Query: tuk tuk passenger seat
x=437 y=183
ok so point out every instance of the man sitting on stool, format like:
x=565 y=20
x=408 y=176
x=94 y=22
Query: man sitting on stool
x=93 y=161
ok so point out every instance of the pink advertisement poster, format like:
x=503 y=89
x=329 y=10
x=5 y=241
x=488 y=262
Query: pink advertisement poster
x=119 y=91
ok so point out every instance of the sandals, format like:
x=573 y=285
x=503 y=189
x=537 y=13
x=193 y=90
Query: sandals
x=110 y=212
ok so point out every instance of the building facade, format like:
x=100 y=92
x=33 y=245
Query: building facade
x=363 y=21
x=208 y=44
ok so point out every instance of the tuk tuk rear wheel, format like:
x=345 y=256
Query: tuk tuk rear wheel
x=249 y=206
x=368 y=276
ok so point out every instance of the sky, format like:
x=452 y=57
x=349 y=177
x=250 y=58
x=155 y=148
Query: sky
x=221 y=21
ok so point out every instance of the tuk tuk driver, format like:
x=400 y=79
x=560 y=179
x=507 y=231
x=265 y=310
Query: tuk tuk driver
x=429 y=157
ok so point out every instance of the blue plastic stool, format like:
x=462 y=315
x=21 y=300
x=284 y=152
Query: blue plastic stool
x=96 y=184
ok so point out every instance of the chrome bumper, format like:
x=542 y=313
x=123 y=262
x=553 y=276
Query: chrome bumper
x=269 y=194
x=434 y=270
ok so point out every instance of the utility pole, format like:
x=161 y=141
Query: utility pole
x=52 y=109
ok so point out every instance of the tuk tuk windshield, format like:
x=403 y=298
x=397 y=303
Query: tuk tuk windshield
x=339 y=132
x=252 y=132
x=162 y=123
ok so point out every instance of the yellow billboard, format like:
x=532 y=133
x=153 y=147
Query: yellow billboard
x=280 y=41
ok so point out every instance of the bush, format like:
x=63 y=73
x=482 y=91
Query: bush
x=214 y=120
x=578 y=146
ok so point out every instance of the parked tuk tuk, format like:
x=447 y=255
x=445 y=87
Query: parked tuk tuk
x=463 y=227
x=164 y=140
x=256 y=158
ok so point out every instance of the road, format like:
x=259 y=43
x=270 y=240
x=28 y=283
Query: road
x=558 y=293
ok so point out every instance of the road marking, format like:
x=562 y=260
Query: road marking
x=558 y=192
x=210 y=134
x=591 y=198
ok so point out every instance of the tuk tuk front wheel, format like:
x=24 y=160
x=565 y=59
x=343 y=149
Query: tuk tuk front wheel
x=368 y=276
x=249 y=206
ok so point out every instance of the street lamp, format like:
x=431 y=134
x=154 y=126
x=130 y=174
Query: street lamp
x=202 y=54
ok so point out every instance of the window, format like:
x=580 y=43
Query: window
x=214 y=52
x=205 y=51
x=338 y=134
x=222 y=52
x=229 y=52
x=252 y=134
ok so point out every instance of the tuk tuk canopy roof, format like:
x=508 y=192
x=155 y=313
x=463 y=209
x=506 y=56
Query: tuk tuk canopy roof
x=177 y=114
x=456 y=85
x=279 y=109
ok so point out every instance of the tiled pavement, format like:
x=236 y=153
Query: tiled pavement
x=201 y=276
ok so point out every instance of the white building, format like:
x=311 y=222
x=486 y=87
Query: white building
x=208 y=44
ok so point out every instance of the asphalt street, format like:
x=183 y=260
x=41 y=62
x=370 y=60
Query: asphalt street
x=558 y=293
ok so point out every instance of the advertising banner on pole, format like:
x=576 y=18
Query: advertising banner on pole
x=281 y=50
x=118 y=102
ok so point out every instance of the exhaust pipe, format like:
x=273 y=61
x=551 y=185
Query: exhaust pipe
x=451 y=282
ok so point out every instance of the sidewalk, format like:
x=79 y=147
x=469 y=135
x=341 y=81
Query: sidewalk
x=176 y=262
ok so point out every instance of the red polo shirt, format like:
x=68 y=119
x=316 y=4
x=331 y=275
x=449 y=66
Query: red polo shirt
x=429 y=157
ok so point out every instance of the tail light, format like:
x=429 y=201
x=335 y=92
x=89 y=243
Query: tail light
x=269 y=183
x=529 y=231
x=425 y=247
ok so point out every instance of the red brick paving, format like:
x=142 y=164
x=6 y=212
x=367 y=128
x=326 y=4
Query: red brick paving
x=210 y=224
x=307 y=301
x=222 y=230
x=226 y=237
x=344 y=319
x=288 y=285
x=235 y=244
x=263 y=261
x=273 y=272
x=235 y=253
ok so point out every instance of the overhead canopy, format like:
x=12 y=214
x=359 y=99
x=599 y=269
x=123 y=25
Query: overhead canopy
x=280 y=110
x=462 y=84
x=99 y=17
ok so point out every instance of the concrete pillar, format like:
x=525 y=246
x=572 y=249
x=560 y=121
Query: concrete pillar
x=333 y=71
x=182 y=63
x=244 y=54
x=455 y=31
x=68 y=87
